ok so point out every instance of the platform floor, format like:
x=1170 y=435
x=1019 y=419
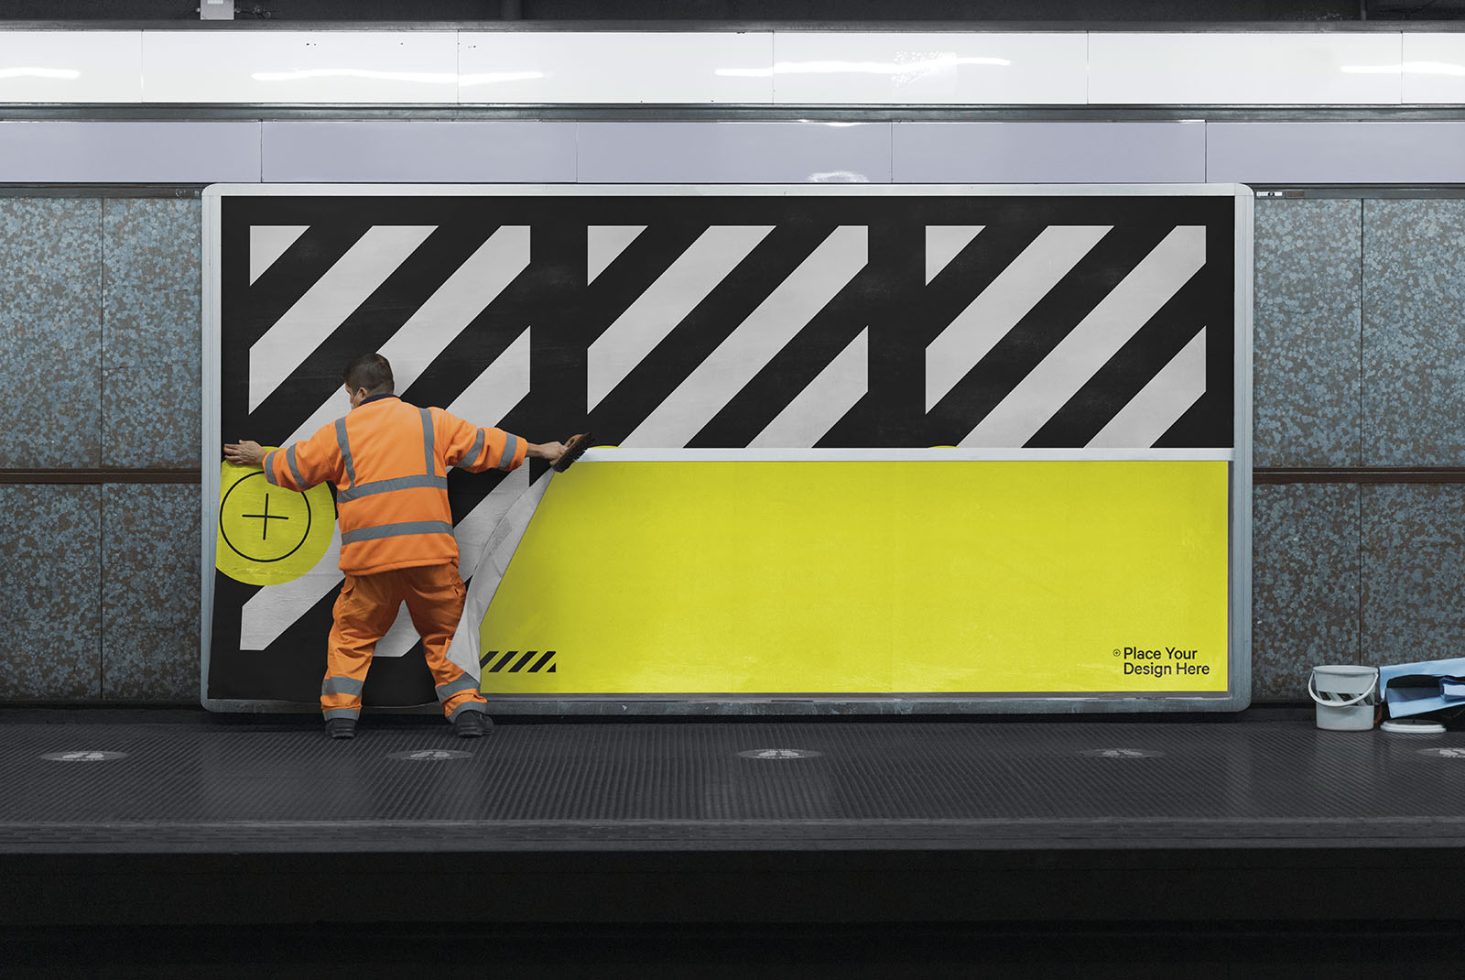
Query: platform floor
x=1251 y=846
x=198 y=784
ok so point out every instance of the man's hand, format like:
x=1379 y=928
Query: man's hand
x=245 y=453
x=548 y=451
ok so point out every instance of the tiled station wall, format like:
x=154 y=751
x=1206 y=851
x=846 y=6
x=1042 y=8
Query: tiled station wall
x=99 y=311
x=1360 y=361
x=1360 y=337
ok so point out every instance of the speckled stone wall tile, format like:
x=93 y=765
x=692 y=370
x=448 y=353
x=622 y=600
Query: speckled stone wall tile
x=1305 y=584
x=50 y=322
x=151 y=339
x=1414 y=333
x=50 y=644
x=1306 y=323
x=1413 y=572
x=150 y=592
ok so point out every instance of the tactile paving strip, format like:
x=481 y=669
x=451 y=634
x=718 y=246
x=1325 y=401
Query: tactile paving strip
x=684 y=786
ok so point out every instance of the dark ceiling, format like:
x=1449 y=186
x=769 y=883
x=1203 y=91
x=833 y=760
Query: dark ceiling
x=805 y=12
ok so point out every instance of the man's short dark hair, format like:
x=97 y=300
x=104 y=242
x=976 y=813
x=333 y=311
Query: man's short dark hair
x=372 y=372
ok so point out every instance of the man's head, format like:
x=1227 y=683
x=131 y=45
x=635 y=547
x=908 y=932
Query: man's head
x=368 y=375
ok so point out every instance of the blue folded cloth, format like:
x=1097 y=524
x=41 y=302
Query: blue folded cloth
x=1452 y=687
x=1404 y=701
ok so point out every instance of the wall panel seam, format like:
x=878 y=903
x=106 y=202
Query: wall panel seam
x=101 y=592
x=99 y=475
x=102 y=344
x=1358 y=632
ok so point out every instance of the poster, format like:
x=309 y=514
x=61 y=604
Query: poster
x=1051 y=337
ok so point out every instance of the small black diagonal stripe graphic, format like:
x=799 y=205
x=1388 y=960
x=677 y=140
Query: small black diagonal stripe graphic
x=551 y=669
x=522 y=661
x=503 y=660
x=483 y=660
x=549 y=654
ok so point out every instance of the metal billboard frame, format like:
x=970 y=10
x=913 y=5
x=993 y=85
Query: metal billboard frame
x=1237 y=697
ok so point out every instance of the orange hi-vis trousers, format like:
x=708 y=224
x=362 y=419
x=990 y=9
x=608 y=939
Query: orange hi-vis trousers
x=366 y=609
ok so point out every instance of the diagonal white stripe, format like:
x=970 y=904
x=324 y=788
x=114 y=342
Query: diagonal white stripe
x=438 y=321
x=665 y=303
x=267 y=243
x=1097 y=338
x=756 y=341
x=465 y=294
x=1005 y=301
x=329 y=301
x=942 y=244
x=603 y=243
x=271 y=610
x=1160 y=403
x=826 y=400
x=498 y=388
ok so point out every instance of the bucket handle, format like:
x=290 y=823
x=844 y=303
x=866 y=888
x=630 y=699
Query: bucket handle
x=1312 y=693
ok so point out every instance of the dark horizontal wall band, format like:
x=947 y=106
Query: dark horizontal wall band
x=1358 y=192
x=1359 y=474
x=179 y=192
x=1260 y=475
x=102 y=475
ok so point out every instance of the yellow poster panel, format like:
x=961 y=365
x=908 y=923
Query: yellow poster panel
x=855 y=577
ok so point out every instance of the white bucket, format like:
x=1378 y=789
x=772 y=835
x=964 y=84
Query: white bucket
x=1345 y=696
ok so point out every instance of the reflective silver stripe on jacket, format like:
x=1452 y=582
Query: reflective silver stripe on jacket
x=464 y=683
x=340 y=685
x=345 y=450
x=269 y=467
x=294 y=470
x=472 y=456
x=395 y=530
x=396 y=483
x=511 y=449
x=427 y=442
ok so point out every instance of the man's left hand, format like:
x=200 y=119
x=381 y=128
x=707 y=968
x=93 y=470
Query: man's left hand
x=244 y=453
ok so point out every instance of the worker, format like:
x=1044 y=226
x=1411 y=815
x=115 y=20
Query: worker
x=389 y=463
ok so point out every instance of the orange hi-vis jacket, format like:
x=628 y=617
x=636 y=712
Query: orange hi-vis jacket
x=389 y=461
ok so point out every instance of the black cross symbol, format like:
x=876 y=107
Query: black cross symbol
x=265 y=519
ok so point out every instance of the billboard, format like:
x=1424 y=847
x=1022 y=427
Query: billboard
x=880 y=447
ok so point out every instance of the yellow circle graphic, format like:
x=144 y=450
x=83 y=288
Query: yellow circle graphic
x=268 y=534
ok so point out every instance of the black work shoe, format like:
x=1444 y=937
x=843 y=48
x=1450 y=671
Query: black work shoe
x=471 y=724
x=341 y=727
